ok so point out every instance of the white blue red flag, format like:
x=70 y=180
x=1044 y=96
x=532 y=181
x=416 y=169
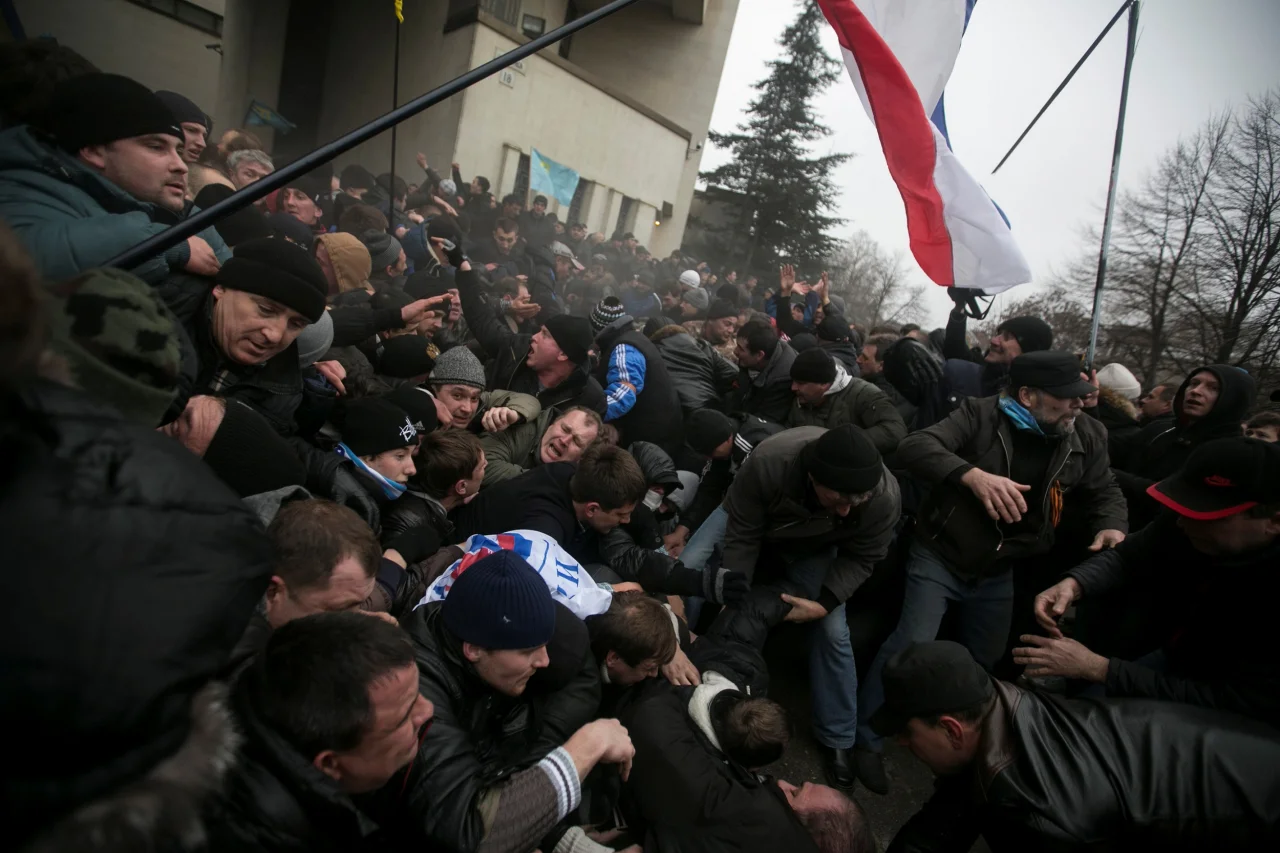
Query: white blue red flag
x=900 y=54
x=564 y=576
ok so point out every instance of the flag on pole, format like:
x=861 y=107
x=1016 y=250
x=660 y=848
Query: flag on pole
x=548 y=176
x=900 y=54
x=400 y=11
x=261 y=115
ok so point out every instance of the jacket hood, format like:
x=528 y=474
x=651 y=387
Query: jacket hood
x=713 y=684
x=668 y=331
x=656 y=464
x=1236 y=394
x=842 y=380
x=350 y=259
x=163 y=809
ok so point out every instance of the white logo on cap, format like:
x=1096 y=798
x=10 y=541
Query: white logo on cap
x=408 y=432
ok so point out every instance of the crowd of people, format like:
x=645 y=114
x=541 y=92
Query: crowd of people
x=391 y=515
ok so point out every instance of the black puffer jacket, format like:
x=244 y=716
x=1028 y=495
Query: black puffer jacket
x=1059 y=775
x=733 y=644
x=767 y=393
x=702 y=376
x=477 y=737
x=1162 y=449
x=131 y=572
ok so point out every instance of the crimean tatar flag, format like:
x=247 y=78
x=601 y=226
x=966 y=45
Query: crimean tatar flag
x=900 y=54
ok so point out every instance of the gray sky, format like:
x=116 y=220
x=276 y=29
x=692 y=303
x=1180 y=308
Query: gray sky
x=1193 y=58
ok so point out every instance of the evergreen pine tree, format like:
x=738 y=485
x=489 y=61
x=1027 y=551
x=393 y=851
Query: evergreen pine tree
x=789 y=193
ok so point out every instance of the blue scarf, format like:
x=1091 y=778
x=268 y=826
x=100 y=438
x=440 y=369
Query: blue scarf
x=390 y=488
x=1019 y=415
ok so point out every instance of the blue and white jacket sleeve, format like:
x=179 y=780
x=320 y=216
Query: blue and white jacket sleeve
x=626 y=380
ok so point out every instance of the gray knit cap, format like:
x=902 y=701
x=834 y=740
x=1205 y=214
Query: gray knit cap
x=314 y=341
x=458 y=366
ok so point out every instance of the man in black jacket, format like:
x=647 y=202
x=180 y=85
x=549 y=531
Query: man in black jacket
x=505 y=756
x=551 y=365
x=329 y=710
x=970 y=373
x=640 y=395
x=702 y=375
x=1212 y=403
x=764 y=373
x=1034 y=772
x=1003 y=471
x=1207 y=572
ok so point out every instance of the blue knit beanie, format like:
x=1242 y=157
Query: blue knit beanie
x=500 y=602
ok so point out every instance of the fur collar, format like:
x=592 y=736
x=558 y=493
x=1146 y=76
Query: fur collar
x=163 y=809
x=1118 y=401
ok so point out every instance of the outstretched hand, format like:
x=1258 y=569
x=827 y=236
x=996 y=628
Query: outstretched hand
x=786 y=279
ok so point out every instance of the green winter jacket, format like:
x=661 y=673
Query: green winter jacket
x=854 y=401
x=71 y=219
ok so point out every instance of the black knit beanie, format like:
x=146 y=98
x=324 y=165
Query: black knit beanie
x=251 y=457
x=278 y=270
x=707 y=429
x=291 y=228
x=418 y=404
x=845 y=460
x=608 y=312
x=720 y=309
x=1031 y=333
x=423 y=285
x=833 y=328
x=814 y=365
x=356 y=177
x=572 y=334
x=405 y=356
x=373 y=425
x=97 y=109
x=803 y=341
x=184 y=109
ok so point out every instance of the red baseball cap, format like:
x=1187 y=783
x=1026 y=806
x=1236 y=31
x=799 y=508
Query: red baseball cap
x=1222 y=478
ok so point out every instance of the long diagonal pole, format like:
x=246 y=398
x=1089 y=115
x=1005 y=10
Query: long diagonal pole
x=395 y=102
x=1111 y=188
x=193 y=225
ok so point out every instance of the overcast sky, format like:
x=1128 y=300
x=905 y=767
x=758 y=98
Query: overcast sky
x=1193 y=58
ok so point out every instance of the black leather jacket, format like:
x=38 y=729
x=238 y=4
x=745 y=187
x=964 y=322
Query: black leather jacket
x=1053 y=774
x=477 y=737
x=701 y=375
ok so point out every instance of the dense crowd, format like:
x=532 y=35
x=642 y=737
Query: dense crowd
x=386 y=514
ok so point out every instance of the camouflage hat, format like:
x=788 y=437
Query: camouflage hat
x=120 y=342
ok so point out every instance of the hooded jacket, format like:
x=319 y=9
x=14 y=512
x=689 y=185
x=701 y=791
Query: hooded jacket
x=350 y=259
x=701 y=374
x=766 y=392
x=71 y=219
x=952 y=521
x=1062 y=775
x=1120 y=417
x=771 y=503
x=857 y=402
x=1162 y=448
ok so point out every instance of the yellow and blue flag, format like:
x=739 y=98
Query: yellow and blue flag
x=551 y=178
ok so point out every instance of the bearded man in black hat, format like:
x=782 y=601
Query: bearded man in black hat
x=106 y=175
x=819 y=508
x=1004 y=471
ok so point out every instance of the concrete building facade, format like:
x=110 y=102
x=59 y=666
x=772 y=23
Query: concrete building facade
x=626 y=103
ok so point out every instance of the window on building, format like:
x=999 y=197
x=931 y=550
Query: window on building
x=625 y=214
x=580 y=196
x=188 y=13
x=521 y=189
x=571 y=13
x=507 y=11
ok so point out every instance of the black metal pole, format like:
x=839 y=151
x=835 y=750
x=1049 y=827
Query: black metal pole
x=395 y=102
x=165 y=240
x=1111 y=188
x=1123 y=6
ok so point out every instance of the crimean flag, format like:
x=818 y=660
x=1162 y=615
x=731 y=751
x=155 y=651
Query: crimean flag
x=900 y=54
x=400 y=11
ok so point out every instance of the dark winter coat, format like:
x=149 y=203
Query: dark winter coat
x=159 y=568
x=766 y=393
x=477 y=737
x=702 y=376
x=1120 y=418
x=1214 y=619
x=537 y=231
x=718 y=474
x=952 y=520
x=859 y=403
x=1162 y=448
x=655 y=417
x=905 y=407
x=684 y=797
x=771 y=502
x=508 y=350
x=1059 y=775
x=536 y=500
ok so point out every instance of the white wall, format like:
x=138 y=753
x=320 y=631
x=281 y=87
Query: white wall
x=672 y=67
x=573 y=123
x=253 y=36
x=123 y=38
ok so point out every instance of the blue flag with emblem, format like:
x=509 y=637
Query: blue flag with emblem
x=548 y=177
x=262 y=115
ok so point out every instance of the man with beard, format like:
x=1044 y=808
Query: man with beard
x=109 y=175
x=1003 y=472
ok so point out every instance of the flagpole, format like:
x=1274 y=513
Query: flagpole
x=241 y=199
x=395 y=102
x=1111 y=188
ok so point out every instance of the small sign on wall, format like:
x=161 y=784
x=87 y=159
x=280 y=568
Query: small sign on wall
x=506 y=78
